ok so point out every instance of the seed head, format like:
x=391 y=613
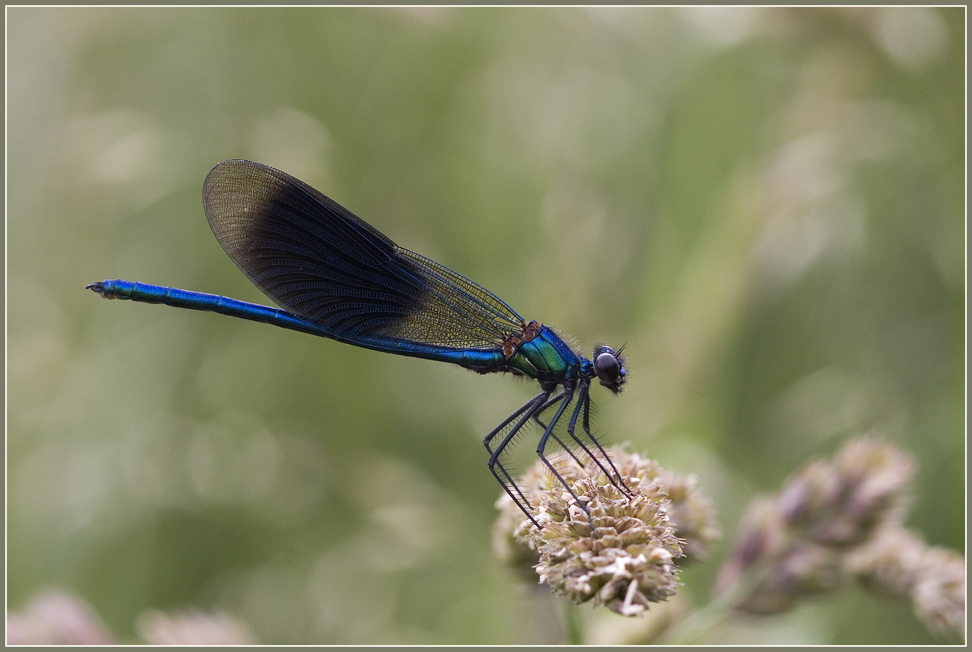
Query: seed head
x=627 y=560
x=899 y=563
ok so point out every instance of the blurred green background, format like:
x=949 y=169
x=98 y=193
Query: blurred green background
x=766 y=205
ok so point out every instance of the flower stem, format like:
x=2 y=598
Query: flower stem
x=573 y=627
x=702 y=620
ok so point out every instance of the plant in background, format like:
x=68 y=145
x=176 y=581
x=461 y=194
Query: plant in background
x=833 y=523
x=899 y=563
x=57 y=617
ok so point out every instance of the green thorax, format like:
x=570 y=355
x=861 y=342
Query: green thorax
x=545 y=357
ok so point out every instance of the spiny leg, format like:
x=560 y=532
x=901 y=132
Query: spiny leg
x=554 y=435
x=585 y=401
x=567 y=448
x=569 y=395
x=509 y=486
x=528 y=410
x=523 y=503
x=528 y=407
x=539 y=398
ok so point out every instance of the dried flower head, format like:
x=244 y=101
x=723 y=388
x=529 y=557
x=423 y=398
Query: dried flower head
x=689 y=511
x=692 y=514
x=56 y=617
x=193 y=627
x=803 y=569
x=844 y=502
x=899 y=563
x=626 y=561
x=842 y=519
x=794 y=539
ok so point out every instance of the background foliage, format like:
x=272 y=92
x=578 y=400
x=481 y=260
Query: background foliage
x=766 y=205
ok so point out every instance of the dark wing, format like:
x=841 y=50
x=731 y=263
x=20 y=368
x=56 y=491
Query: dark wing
x=319 y=261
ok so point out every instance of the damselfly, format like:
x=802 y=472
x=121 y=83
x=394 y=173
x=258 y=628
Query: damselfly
x=336 y=276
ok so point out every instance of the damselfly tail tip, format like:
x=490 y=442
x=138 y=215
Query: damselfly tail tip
x=97 y=288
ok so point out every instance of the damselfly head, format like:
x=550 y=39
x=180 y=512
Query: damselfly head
x=609 y=367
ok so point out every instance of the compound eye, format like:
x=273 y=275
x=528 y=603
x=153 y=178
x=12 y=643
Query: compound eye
x=607 y=368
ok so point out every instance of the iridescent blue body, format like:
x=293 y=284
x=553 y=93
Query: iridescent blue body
x=336 y=276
